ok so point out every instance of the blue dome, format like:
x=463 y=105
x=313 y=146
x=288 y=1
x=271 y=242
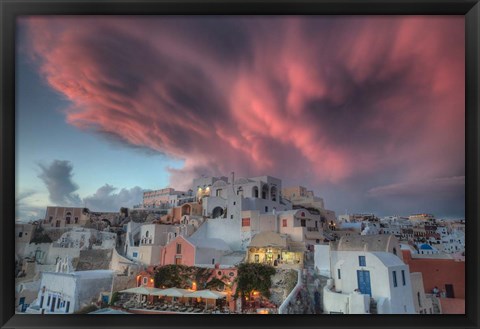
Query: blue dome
x=426 y=246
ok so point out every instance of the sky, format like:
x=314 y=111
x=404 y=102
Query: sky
x=368 y=112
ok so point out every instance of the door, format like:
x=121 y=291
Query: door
x=363 y=279
x=449 y=291
x=52 y=306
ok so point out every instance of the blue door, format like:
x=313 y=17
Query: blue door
x=363 y=279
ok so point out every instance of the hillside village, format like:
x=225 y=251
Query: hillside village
x=238 y=245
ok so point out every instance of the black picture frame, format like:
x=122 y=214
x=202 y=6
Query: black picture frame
x=11 y=9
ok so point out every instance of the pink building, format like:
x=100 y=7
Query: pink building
x=178 y=251
x=198 y=252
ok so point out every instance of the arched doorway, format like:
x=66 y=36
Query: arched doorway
x=273 y=193
x=264 y=191
x=217 y=212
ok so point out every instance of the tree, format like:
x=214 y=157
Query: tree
x=254 y=276
x=182 y=276
x=170 y=276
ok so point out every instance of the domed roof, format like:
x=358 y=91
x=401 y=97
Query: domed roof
x=219 y=183
x=426 y=247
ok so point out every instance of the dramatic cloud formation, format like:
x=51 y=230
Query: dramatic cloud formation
x=58 y=179
x=349 y=106
x=105 y=200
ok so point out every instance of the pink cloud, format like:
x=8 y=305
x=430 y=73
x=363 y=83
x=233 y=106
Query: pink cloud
x=345 y=98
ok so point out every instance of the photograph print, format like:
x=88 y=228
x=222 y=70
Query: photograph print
x=240 y=165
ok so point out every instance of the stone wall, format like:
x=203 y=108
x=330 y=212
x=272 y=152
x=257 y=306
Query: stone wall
x=94 y=260
x=55 y=233
x=122 y=282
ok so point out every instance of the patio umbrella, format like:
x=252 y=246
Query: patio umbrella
x=141 y=290
x=171 y=292
x=206 y=294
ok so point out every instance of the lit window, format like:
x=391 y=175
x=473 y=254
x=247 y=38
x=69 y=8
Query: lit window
x=362 y=261
x=245 y=222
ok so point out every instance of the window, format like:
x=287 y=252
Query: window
x=68 y=307
x=394 y=278
x=419 y=299
x=303 y=223
x=135 y=254
x=257 y=258
x=145 y=280
x=284 y=223
x=231 y=216
x=266 y=209
x=48 y=300
x=403 y=278
x=234 y=203
x=394 y=251
x=20 y=234
x=146 y=234
x=362 y=261
x=213 y=261
x=245 y=222
x=339 y=274
x=41 y=302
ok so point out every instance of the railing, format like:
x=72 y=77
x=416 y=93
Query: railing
x=292 y=294
x=312 y=229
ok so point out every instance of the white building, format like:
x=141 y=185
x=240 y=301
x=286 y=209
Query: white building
x=85 y=238
x=166 y=198
x=66 y=291
x=144 y=242
x=380 y=275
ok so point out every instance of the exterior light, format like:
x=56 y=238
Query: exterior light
x=151 y=280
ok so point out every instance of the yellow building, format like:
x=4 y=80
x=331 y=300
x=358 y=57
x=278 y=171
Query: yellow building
x=275 y=249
